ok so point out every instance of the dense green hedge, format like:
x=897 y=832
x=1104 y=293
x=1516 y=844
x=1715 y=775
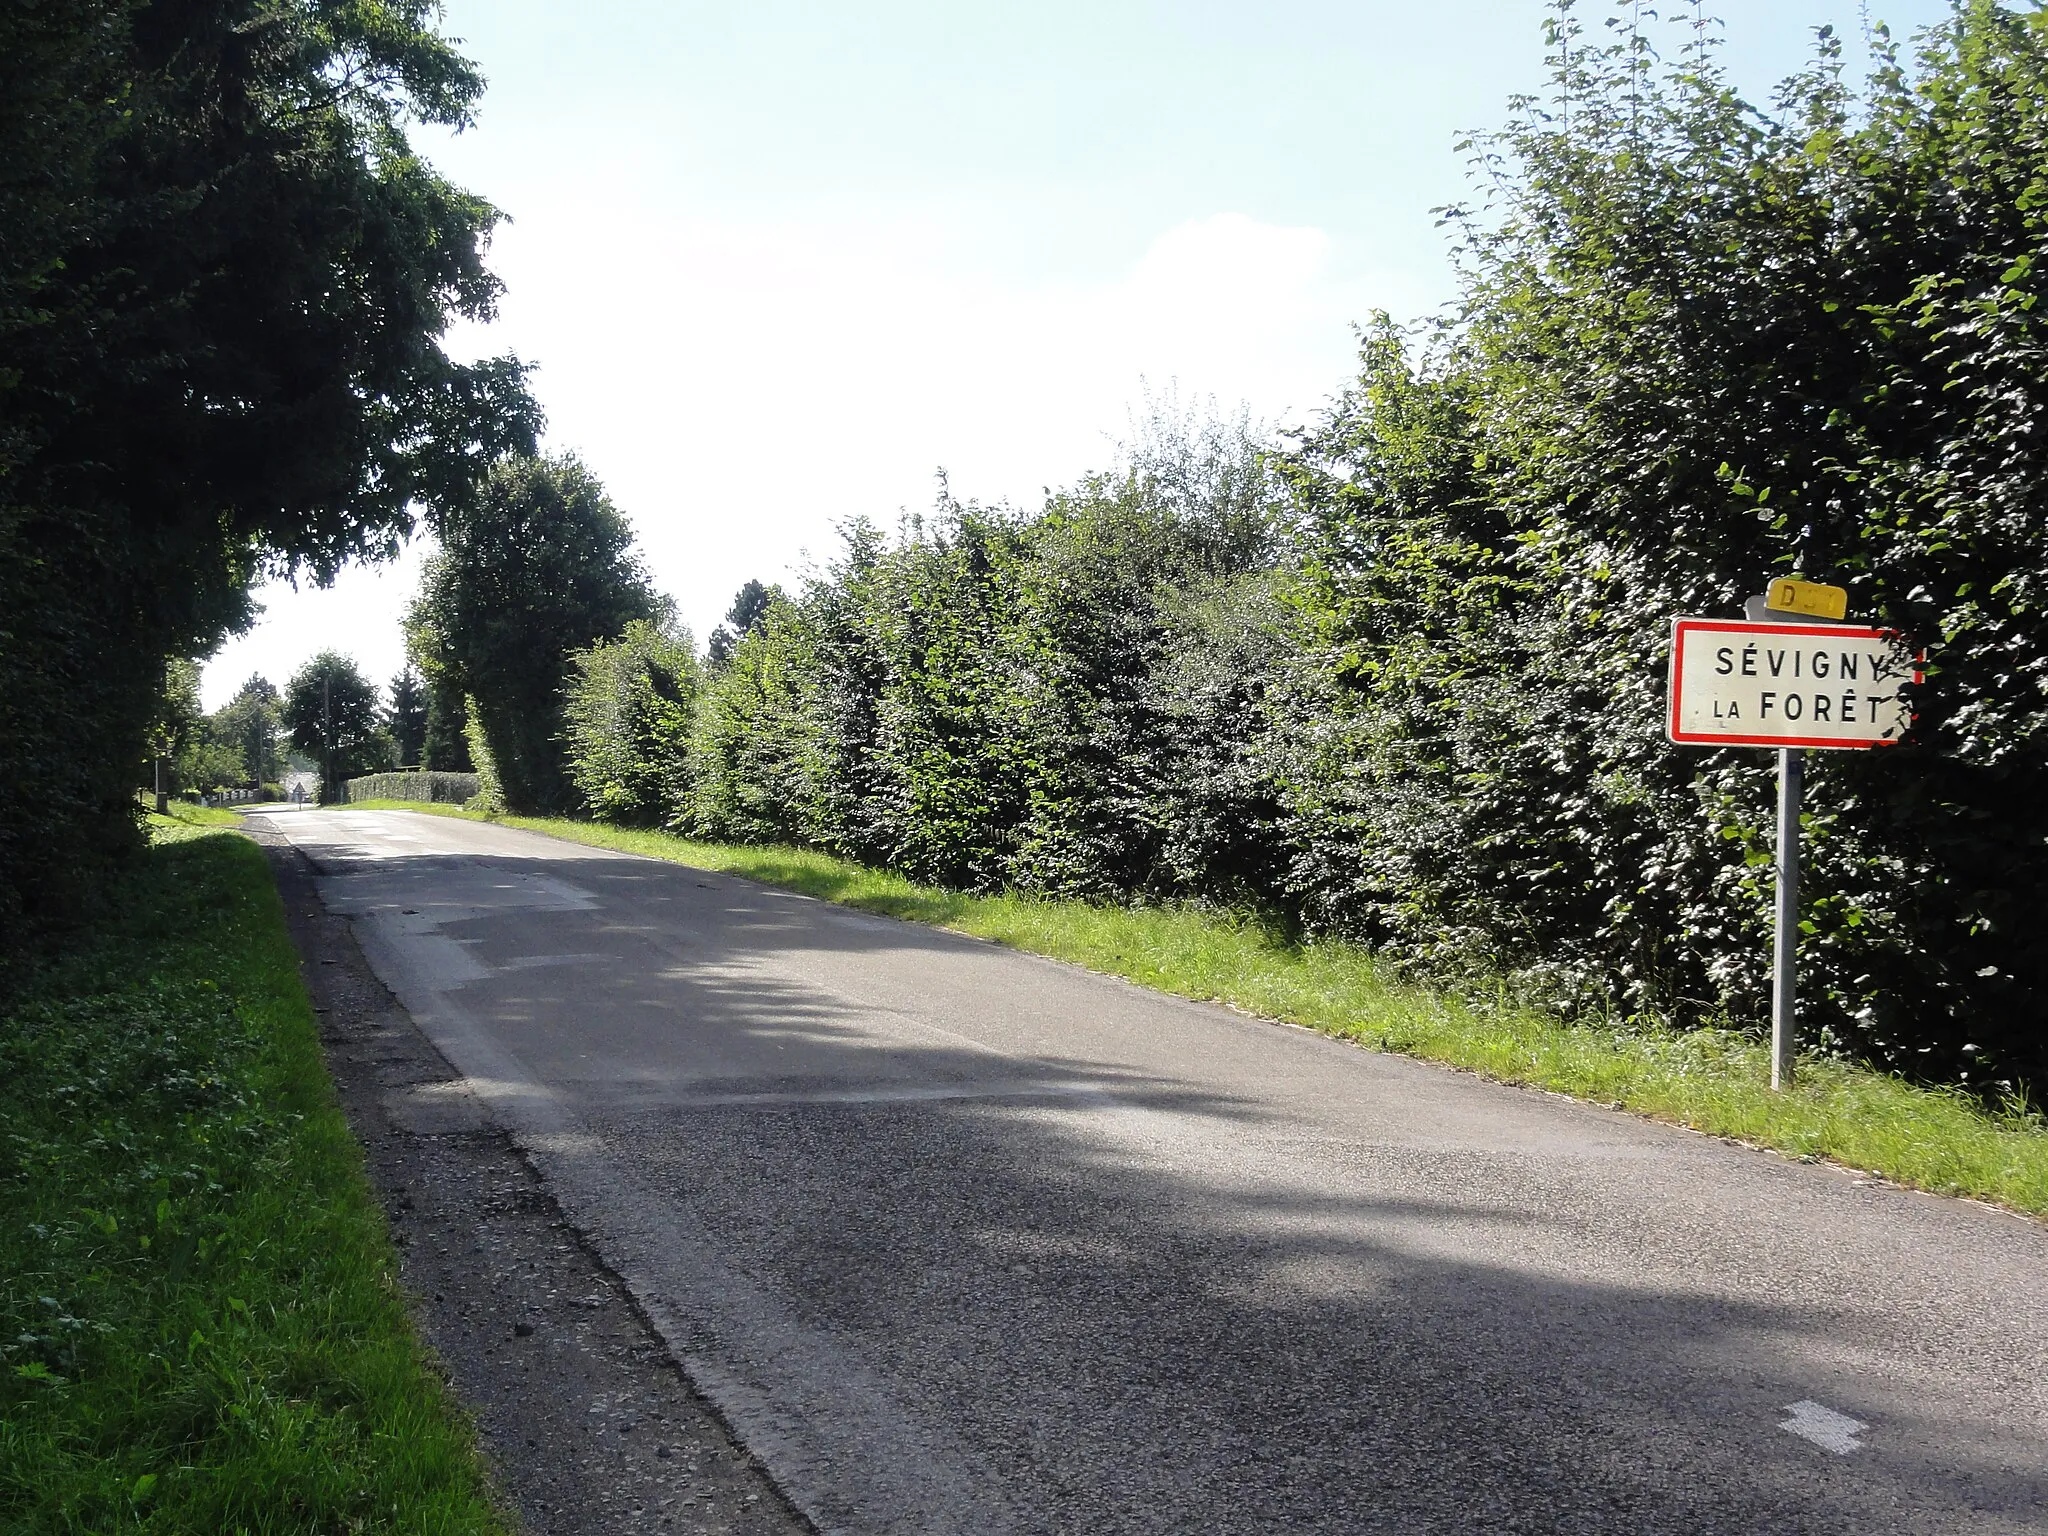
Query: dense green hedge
x=1403 y=681
x=436 y=788
x=223 y=280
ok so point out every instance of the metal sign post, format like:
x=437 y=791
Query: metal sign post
x=1791 y=677
x=1785 y=943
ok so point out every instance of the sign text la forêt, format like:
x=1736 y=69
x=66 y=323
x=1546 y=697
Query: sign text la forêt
x=1787 y=685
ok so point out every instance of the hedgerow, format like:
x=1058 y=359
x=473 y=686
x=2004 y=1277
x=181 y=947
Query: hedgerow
x=1399 y=679
x=224 y=277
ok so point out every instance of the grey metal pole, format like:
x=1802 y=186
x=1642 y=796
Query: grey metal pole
x=1785 y=951
x=163 y=796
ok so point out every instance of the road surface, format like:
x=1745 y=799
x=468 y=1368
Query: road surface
x=962 y=1240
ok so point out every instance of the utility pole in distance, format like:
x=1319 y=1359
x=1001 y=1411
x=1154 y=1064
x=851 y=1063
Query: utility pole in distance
x=163 y=794
x=326 y=737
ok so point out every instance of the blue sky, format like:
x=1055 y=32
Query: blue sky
x=779 y=263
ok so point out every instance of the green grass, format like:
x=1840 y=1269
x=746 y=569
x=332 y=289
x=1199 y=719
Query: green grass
x=1713 y=1081
x=201 y=1328
x=183 y=815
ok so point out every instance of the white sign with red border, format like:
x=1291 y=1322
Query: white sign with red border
x=1737 y=684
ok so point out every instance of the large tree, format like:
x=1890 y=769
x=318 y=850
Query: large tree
x=249 y=723
x=223 y=279
x=406 y=716
x=538 y=566
x=749 y=610
x=331 y=710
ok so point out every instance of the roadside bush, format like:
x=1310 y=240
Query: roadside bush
x=1701 y=346
x=223 y=282
x=490 y=790
x=1403 y=682
x=538 y=566
x=432 y=788
x=630 y=708
x=1006 y=700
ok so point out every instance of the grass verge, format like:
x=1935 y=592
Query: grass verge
x=1713 y=1081
x=201 y=1328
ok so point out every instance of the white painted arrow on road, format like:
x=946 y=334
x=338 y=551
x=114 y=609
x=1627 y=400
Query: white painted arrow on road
x=1829 y=1430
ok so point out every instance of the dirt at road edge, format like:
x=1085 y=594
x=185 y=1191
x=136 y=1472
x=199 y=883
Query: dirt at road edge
x=586 y=1418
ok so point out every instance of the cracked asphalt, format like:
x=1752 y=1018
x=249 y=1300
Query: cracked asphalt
x=953 y=1239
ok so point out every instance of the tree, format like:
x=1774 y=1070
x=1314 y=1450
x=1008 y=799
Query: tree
x=538 y=566
x=249 y=723
x=1061 y=701
x=331 y=711
x=223 y=282
x=446 y=745
x=750 y=606
x=177 y=724
x=631 y=708
x=406 y=717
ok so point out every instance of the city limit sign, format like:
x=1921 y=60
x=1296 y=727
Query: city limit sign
x=1736 y=684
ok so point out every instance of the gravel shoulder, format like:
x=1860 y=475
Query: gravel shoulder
x=587 y=1420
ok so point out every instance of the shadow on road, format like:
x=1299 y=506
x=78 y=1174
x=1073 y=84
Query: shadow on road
x=1148 y=1294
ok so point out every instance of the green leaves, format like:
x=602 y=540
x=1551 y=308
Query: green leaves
x=223 y=289
x=1405 y=681
x=1060 y=701
x=332 y=713
x=631 y=707
x=1701 y=344
x=537 y=566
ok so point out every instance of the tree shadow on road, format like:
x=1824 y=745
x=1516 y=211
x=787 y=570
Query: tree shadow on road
x=1152 y=1289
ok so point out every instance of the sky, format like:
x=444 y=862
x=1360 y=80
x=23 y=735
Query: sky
x=780 y=264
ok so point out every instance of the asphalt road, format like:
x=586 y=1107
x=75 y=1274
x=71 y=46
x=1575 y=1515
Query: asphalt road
x=960 y=1240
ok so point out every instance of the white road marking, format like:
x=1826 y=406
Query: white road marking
x=1829 y=1430
x=534 y=962
x=908 y=1094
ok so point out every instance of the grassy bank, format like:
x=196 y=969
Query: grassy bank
x=1714 y=1082
x=203 y=1329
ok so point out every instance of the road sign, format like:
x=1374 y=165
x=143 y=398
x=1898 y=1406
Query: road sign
x=1737 y=684
x=1792 y=684
x=1821 y=601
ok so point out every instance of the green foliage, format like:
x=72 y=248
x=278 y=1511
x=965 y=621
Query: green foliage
x=223 y=280
x=490 y=789
x=1403 y=684
x=179 y=728
x=1005 y=700
x=236 y=747
x=209 y=765
x=414 y=786
x=537 y=567
x=750 y=606
x=331 y=711
x=202 y=1322
x=1702 y=346
x=251 y=724
x=445 y=746
x=405 y=717
x=630 y=710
